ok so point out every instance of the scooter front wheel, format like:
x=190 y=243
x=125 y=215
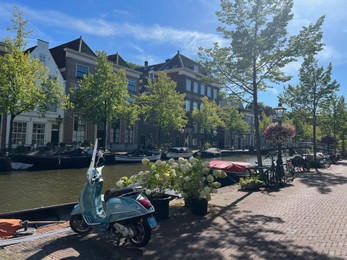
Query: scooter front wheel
x=78 y=224
x=142 y=233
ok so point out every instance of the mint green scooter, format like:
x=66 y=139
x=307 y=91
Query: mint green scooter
x=127 y=214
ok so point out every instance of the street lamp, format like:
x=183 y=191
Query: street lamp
x=279 y=114
x=59 y=120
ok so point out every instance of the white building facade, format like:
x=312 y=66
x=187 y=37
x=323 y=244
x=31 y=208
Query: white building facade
x=29 y=129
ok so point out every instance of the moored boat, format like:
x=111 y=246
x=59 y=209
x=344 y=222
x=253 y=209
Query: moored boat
x=54 y=212
x=138 y=156
x=234 y=170
x=69 y=157
x=209 y=153
x=177 y=152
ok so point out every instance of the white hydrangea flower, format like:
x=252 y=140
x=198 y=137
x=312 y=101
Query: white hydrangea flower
x=173 y=172
x=148 y=192
x=119 y=183
x=158 y=163
x=171 y=161
x=145 y=161
x=181 y=160
x=187 y=178
x=210 y=178
x=193 y=160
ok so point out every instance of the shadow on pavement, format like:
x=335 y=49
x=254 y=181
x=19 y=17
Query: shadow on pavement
x=324 y=180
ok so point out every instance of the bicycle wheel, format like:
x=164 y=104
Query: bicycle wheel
x=324 y=162
x=271 y=178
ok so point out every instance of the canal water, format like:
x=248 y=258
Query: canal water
x=20 y=190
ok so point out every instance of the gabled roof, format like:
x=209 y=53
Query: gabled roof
x=118 y=60
x=177 y=61
x=30 y=50
x=78 y=45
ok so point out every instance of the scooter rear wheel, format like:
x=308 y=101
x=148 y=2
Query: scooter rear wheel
x=78 y=224
x=142 y=234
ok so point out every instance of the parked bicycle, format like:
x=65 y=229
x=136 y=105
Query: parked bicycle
x=272 y=175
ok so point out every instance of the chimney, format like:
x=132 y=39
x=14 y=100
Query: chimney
x=146 y=65
x=80 y=46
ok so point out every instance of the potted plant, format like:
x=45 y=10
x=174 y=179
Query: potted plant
x=156 y=180
x=251 y=183
x=196 y=182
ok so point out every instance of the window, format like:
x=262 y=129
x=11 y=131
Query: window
x=209 y=91
x=195 y=142
x=215 y=93
x=202 y=90
x=131 y=85
x=195 y=127
x=79 y=129
x=187 y=105
x=129 y=136
x=19 y=133
x=196 y=67
x=195 y=105
x=77 y=86
x=188 y=85
x=81 y=70
x=115 y=132
x=38 y=134
x=196 y=87
x=42 y=58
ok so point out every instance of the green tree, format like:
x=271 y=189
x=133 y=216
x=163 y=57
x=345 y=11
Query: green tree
x=104 y=94
x=258 y=50
x=314 y=90
x=209 y=117
x=342 y=123
x=162 y=105
x=235 y=121
x=332 y=118
x=25 y=84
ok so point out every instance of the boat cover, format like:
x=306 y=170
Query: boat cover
x=8 y=227
x=229 y=166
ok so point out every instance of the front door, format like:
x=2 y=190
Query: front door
x=55 y=134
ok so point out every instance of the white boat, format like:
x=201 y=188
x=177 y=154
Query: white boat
x=177 y=152
x=138 y=156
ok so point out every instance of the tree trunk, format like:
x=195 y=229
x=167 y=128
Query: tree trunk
x=105 y=134
x=315 y=140
x=12 y=117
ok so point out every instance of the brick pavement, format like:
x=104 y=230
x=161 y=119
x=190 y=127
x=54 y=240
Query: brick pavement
x=305 y=220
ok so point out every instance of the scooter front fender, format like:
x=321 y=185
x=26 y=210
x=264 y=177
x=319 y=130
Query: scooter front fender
x=76 y=210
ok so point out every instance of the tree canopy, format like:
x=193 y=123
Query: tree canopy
x=103 y=95
x=258 y=50
x=25 y=84
x=315 y=89
x=209 y=117
x=162 y=105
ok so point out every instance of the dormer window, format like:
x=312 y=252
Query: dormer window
x=81 y=70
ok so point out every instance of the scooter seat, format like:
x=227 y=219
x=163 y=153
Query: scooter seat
x=111 y=193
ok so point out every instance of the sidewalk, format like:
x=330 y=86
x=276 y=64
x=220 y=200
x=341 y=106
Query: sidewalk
x=307 y=219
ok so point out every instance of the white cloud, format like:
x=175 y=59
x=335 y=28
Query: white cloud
x=189 y=40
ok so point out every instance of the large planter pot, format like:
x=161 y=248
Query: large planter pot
x=199 y=206
x=161 y=206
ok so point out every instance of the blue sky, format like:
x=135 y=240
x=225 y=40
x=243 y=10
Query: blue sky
x=155 y=30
